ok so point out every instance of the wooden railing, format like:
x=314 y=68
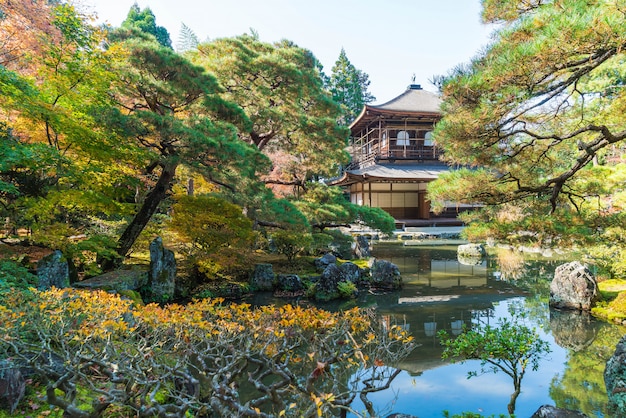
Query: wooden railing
x=392 y=153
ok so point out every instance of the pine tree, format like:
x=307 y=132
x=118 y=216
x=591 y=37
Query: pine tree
x=348 y=86
x=145 y=21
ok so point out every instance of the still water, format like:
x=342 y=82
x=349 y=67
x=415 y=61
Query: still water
x=439 y=293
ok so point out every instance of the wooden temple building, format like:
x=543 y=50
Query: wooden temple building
x=394 y=158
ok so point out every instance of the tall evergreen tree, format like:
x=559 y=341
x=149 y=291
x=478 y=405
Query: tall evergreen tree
x=280 y=89
x=349 y=87
x=187 y=39
x=145 y=21
x=171 y=110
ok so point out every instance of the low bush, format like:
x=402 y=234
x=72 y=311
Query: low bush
x=97 y=354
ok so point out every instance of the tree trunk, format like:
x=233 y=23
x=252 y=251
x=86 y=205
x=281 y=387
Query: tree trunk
x=147 y=209
x=518 y=389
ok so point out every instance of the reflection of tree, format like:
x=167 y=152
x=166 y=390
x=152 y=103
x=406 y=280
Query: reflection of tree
x=374 y=379
x=534 y=307
x=510 y=347
x=531 y=272
x=581 y=387
x=511 y=264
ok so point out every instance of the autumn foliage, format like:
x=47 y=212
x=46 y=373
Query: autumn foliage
x=96 y=353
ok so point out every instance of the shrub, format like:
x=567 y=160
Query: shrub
x=15 y=278
x=290 y=243
x=100 y=353
x=347 y=290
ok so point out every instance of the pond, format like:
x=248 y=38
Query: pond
x=441 y=293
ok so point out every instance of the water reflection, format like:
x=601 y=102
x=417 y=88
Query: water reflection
x=440 y=293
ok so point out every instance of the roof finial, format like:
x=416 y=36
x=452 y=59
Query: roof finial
x=414 y=86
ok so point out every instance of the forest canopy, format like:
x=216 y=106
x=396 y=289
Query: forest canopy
x=104 y=129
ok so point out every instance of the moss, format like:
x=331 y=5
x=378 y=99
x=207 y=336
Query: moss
x=132 y=295
x=361 y=263
x=610 y=289
x=612 y=308
x=347 y=290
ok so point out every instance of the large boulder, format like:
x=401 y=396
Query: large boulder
x=12 y=386
x=263 y=277
x=351 y=272
x=53 y=271
x=325 y=261
x=326 y=286
x=471 y=251
x=573 y=287
x=362 y=247
x=549 y=411
x=162 y=277
x=385 y=275
x=131 y=279
x=289 y=282
x=615 y=379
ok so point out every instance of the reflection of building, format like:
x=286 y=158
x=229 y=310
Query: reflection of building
x=394 y=157
x=439 y=293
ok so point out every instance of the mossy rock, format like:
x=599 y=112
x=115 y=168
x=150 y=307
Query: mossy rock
x=134 y=278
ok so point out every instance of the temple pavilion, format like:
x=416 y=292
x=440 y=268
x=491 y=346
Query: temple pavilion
x=394 y=157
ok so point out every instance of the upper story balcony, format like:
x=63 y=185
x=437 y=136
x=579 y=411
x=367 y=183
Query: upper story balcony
x=391 y=145
x=399 y=130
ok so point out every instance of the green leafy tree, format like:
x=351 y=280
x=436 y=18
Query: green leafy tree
x=291 y=243
x=214 y=233
x=510 y=347
x=349 y=87
x=327 y=207
x=530 y=108
x=173 y=113
x=56 y=167
x=145 y=21
x=280 y=88
x=536 y=119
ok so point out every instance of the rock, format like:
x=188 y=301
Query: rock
x=549 y=411
x=12 y=386
x=469 y=260
x=118 y=280
x=362 y=249
x=351 y=272
x=289 y=282
x=325 y=261
x=326 y=287
x=263 y=277
x=573 y=287
x=385 y=275
x=53 y=271
x=471 y=250
x=396 y=415
x=162 y=277
x=615 y=379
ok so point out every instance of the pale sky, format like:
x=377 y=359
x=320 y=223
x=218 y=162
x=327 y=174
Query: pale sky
x=389 y=40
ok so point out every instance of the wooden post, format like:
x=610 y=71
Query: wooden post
x=423 y=205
